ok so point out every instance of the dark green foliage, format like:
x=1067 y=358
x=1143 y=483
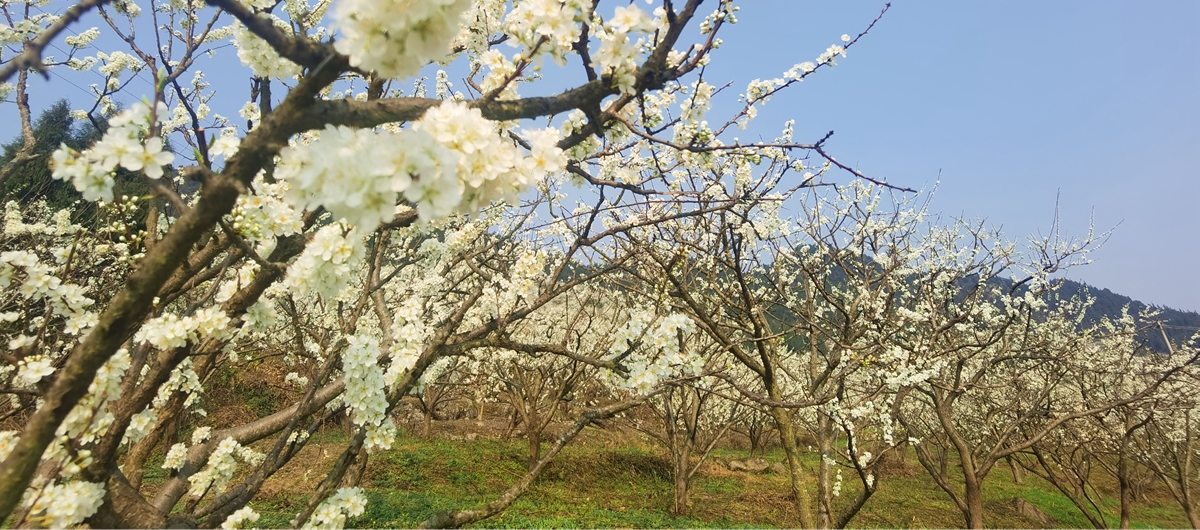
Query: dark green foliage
x=32 y=181
x=1178 y=325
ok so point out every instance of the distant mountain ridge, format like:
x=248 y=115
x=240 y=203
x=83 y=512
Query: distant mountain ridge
x=1178 y=324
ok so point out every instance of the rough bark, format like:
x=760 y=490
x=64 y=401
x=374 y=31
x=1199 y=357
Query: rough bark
x=824 y=471
x=787 y=433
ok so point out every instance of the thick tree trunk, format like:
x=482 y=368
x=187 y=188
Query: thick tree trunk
x=124 y=507
x=825 y=471
x=1124 y=488
x=787 y=434
x=1193 y=517
x=513 y=419
x=427 y=431
x=943 y=462
x=682 y=457
x=681 y=493
x=535 y=447
x=973 y=495
x=533 y=434
x=755 y=444
x=355 y=476
x=1185 y=490
x=1185 y=471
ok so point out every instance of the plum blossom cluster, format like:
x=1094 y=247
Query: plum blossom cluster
x=527 y=273
x=221 y=466
x=239 y=278
x=183 y=379
x=264 y=214
x=522 y=284
x=65 y=505
x=396 y=38
x=31 y=369
x=909 y=371
x=296 y=379
x=83 y=39
x=15 y=225
x=41 y=309
x=410 y=336
x=327 y=264
x=241 y=518
x=693 y=106
x=556 y=21
x=171 y=331
x=364 y=393
x=140 y=425
x=260 y=56
x=357 y=173
x=452 y=160
x=617 y=55
x=828 y=57
x=724 y=13
x=38 y=283
x=479 y=22
x=124 y=144
x=346 y=504
x=488 y=167
x=90 y=417
x=116 y=63
x=8 y=440
x=176 y=456
x=500 y=71
x=657 y=352
x=24 y=29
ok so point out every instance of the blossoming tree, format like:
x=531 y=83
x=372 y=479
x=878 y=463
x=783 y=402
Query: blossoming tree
x=1010 y=363
x=326 y=230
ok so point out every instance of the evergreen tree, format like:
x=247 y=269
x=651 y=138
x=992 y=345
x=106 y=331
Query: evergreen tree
x=33 y=181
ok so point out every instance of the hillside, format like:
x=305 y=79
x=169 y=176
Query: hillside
x=1179 y=325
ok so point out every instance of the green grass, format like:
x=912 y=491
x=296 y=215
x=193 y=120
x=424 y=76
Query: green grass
x=593 y=486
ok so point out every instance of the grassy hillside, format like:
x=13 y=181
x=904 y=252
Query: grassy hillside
x=618 y=480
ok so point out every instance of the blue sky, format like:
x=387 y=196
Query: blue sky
x=1013 y=103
